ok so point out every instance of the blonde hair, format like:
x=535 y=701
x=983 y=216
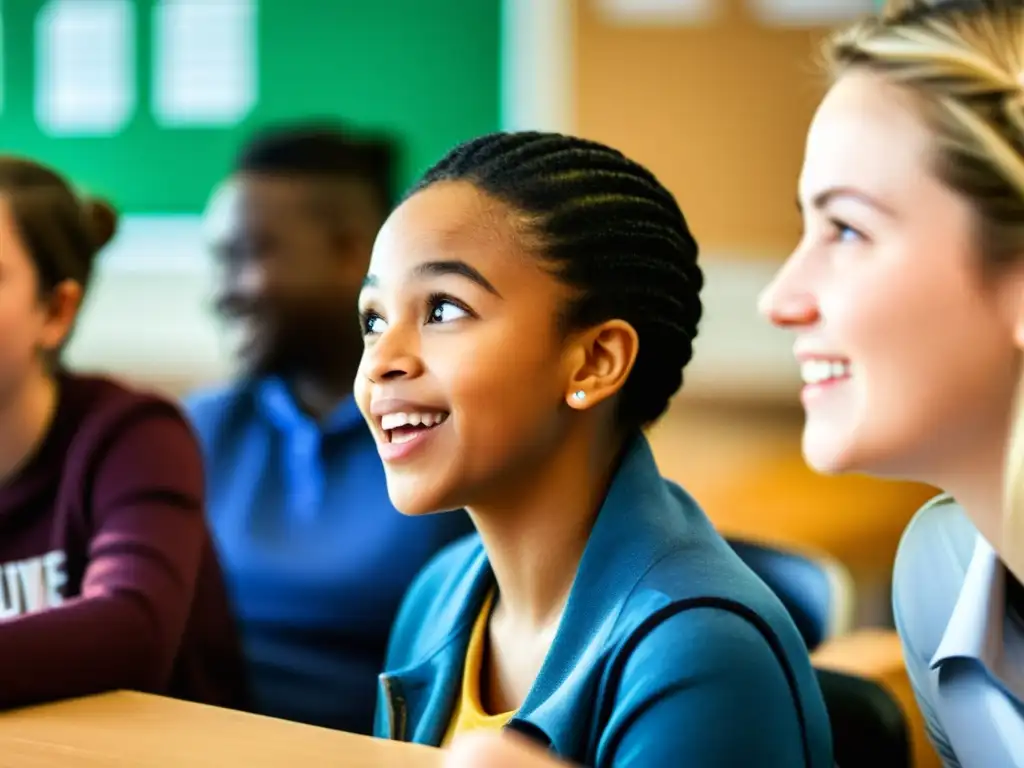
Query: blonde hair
x=963 y=62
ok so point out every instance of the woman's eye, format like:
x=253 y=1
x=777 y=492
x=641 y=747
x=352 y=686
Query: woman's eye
x=844 y=233
x=848 y=234
x=446 y=311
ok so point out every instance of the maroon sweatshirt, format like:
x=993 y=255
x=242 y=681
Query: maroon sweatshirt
x=108 y=579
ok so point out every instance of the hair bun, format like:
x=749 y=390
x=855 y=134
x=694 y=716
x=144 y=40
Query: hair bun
x=101 y=219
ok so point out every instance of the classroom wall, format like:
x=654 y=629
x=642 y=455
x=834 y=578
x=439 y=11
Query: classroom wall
x=718 y=104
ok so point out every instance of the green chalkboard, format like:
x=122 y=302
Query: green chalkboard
x=425 y=70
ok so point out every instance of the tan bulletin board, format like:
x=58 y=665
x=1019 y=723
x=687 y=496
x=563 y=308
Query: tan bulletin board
x=719 y=111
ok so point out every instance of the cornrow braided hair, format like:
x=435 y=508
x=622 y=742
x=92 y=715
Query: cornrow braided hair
x=611 y=231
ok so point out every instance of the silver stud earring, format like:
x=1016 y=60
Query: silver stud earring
x=580 y=395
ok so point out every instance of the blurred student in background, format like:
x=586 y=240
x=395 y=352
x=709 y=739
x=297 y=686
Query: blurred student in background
x=529 y=308
x=316 y=556
x=108 y=579
x=906 y=295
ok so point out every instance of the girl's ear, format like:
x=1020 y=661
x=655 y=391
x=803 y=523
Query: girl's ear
x=600 y=360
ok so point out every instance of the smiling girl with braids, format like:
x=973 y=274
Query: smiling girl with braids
x=529 y=308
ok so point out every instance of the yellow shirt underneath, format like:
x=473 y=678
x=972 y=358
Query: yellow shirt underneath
x=469 y=714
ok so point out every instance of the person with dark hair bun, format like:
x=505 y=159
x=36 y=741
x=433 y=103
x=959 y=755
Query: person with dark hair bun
x=529 y=309
x=108 y=578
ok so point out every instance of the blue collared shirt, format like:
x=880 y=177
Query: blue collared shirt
x=315 y=556
x=964 y=650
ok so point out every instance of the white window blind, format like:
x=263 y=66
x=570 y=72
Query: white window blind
x=205 y=62
x=85 y=68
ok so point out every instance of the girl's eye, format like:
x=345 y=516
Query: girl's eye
x=445 y=311
x=373 y=323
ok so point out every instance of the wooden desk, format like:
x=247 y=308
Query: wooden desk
x=133 y=730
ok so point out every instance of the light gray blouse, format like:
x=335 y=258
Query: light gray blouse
x=963 y=649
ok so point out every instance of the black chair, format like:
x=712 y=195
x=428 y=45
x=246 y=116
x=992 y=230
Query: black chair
x=816 y=590
x=868 y=726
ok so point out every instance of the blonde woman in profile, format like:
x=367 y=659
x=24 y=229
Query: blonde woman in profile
x=906 y=295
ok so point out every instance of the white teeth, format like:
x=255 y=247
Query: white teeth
x=391 y=421
x=818 y=371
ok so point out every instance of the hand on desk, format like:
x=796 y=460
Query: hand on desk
x=492 y=750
